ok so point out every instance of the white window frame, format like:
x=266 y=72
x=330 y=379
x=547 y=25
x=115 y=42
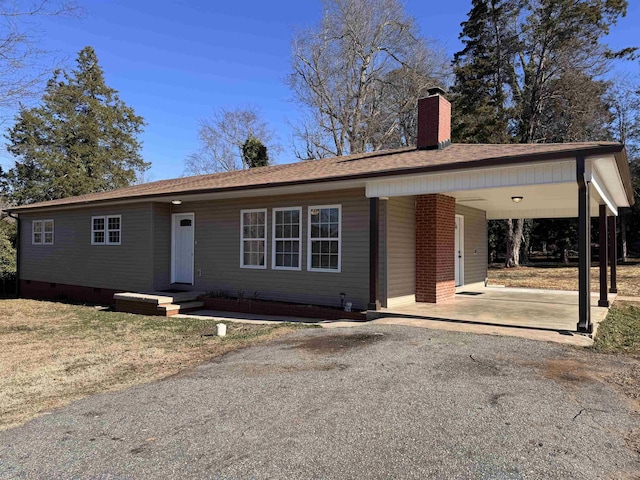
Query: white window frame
x=106 y=230
x=42 y=232
x=285 y=239
x=310 y=240
x=242 y=239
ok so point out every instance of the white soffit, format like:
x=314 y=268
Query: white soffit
x=538 y=201
x=608 y=178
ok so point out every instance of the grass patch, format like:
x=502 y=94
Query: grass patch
x=619 y=333
x=563 y=278
x=54 y=353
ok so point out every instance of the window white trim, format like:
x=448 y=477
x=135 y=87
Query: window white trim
x=285 y=239
x=106 y=229
x=42 y=232
x=242 y=239
x=311 y=240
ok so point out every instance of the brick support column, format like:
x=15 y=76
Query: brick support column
x=435 y=248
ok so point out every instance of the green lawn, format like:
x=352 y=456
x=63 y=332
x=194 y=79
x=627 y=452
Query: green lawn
x=54 y=353
x=620 y=331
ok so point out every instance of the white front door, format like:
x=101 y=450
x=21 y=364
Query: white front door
x=182 y=248
x=459 y=250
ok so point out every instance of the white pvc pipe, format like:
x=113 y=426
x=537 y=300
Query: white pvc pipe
x=221 y=329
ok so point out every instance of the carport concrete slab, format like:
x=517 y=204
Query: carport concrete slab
x=522 y=312
x=535 y=314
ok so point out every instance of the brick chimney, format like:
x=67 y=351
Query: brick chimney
x=434 y=120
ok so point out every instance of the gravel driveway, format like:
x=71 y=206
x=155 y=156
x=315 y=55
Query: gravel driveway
x=365 y=402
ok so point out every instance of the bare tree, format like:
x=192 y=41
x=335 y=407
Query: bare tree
x=23 y=60
x=358 y=76
x=222 y=137
x=624 y=99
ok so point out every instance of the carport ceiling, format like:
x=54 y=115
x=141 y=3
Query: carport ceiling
x=558 y=200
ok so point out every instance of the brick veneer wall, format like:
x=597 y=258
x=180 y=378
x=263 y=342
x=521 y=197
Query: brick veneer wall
x=435 y=248
x=141 y=308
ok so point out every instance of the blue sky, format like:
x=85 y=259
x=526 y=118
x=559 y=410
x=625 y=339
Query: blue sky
x=177 y=61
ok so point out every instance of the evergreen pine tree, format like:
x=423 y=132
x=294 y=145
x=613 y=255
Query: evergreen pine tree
x=484 y=70
x=81 y=139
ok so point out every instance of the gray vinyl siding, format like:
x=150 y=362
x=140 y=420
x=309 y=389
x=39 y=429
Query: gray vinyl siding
x=217 y=250
x=72 y=260
x=475 y=244
x=401 y=246
x=161 y=246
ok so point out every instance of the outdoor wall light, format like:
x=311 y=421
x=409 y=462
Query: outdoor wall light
x=176 y=202
x=516 y=199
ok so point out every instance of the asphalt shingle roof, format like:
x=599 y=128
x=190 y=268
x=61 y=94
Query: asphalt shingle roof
x=374 y=164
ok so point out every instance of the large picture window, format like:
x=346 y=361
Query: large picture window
x=287 y=238
x=253 y=241
x=106 y=230
x=42 y=232
x=325 y=243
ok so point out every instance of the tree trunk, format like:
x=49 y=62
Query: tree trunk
x=623 y=236
x=514 y=241
x=526 y=241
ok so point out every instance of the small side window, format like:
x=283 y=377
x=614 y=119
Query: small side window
x=106 y=230
x=42 y=232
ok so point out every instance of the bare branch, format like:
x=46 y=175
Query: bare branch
x=222 y=137
x=24 y=64
x=358 y=75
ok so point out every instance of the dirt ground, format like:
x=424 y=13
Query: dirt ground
x=54 y=353
x=563 y=278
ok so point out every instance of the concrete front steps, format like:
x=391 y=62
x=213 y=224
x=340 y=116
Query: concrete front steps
x=162 y=304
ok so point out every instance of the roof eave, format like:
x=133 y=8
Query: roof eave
x=617 y=149
x=625 y=174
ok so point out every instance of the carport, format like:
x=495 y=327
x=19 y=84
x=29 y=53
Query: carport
x=582 y=183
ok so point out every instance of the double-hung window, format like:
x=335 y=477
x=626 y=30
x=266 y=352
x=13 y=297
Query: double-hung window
x=287 y=238
x=42 y=232
x=325 y=243
x=253 y=240
x=106 y=230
